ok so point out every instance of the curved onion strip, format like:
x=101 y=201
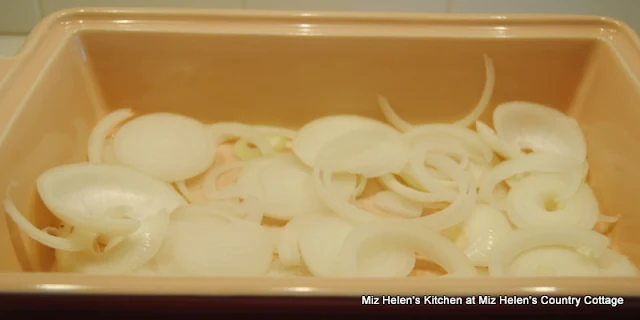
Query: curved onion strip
x=518 y=241
x=391 y=115
x=278 y=131
x=393 y=203
x=102 y=129
x=456 y=212
x=254 y=211
x=244 y=151
x=490 y=78
x=499 y=146
x=61 y=243
x=360 y=186
x=533 y=162
x=168 y=146
x=288 y=247
x=392 y=183
x=87 y=195
x=487 y=92
x=182 y=187
x=466 y=135
x=424 y=242
x=421 y=175
x=136 y=250
x=224 y=131
x=210 y=182
x=527 y=203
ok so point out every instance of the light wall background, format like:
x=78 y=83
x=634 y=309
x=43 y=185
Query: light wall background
x=19 y=16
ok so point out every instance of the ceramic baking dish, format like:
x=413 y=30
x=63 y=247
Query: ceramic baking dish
x=288 y=68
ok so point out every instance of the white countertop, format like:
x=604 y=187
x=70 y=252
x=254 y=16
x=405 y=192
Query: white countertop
x=10 y=44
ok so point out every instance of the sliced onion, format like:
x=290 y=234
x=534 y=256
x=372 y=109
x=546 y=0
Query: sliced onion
x=43 y=237
x=481 y=231
x=392 y=183
x=455 y=213
x=533 y=162
x=313 y=136
x=224 y=131
x=108 y=153
x=360 y=187
x=244 y=151
x=210 y=183
x=487 y=92
x=553 y=261
x=391 y=115
x=274 y=236
x=528 y=125
x=370 y=151
x=422 y=176
x=467 y=136
x=84 y=195
x=284 y=188
x=469 y=119
x=288 y=246
x=182 y=187
x=528 y=200
x=516 y=242
x=424 y=242
x=133 y=252
x=168 y=146
x=222 y=248
x=320 y=242
x=393 y=203
x=499 y=146
x=101 y=131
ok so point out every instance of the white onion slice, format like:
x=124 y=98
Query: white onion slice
x=168 y=146
x=182 y=187
x=383 y=259
x=134 y=251
x=393 y=203
x=487 y=92
x=108 y=153
x=224 y=131
x=288 y=246
x=392 y=116
x=465 y=135
x=455 y=213
x=392 y=183
x=528 y=125
x=84 y=195
x=313 y=136
x=527 y=203
x=481 y=231
x=469 y=119
x=614 y=264
x=552 y=261
x=516 y=242
x=244 y=151
x=275 y=234
x=426 y=243
x=370 y=151
x=499 y=146
x=43 y=237
x=284 y=188
x=102 y=129
x=210 y=182
x=320 y=242
x=222 y=248
x=533 y=162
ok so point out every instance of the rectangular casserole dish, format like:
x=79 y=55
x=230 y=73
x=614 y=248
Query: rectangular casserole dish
x=285 y=69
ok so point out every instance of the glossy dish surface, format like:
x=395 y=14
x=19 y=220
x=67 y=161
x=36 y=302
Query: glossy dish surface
x=286 y=69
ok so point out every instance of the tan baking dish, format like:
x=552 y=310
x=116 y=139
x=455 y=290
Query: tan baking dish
x=287 y=68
